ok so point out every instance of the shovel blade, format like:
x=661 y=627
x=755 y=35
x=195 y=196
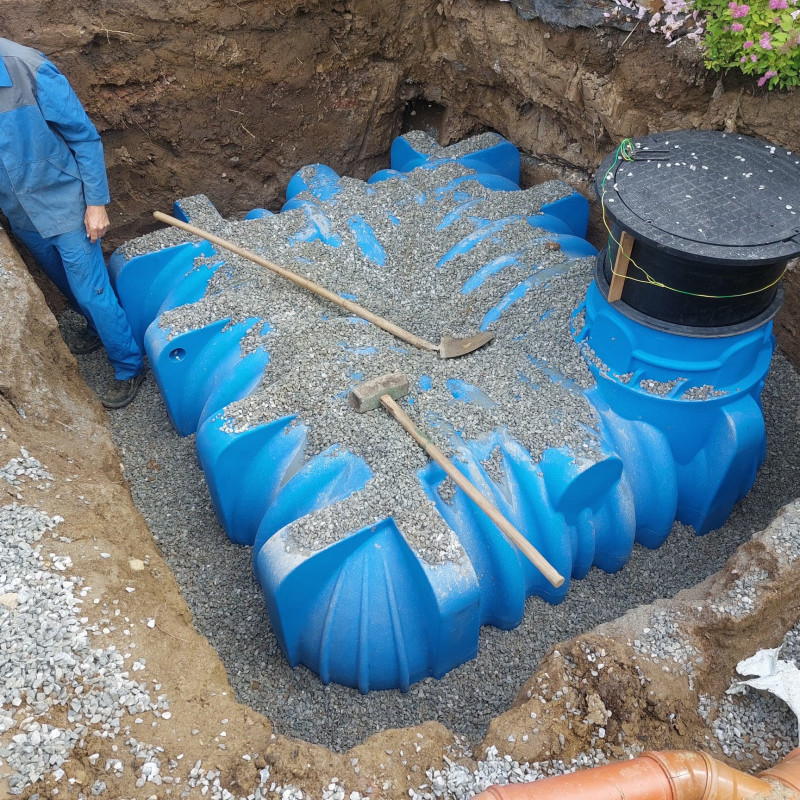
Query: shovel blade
x=453 y=348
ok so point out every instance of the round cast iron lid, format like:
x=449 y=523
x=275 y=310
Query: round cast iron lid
x=709 y=195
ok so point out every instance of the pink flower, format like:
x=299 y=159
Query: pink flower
x=765 y=41
x=737 y=26
x=753 y=57
x=778 y=4
x=770 y=73
x=738 y=10
x=747 y=44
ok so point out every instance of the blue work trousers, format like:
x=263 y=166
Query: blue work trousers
x=78 y=269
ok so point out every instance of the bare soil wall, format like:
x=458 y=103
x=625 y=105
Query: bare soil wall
x=231 y=98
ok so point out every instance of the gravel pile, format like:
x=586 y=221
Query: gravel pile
x=423 y=143
x=216 y=575
x=25 y=468
x=48 y=659
x=459 y=783
x=217 y=580
x=663 y=640
x=526 y=381
x=755 y=723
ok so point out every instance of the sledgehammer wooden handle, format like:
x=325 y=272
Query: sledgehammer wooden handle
x=510 y=532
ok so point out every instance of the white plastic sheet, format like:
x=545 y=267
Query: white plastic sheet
x=772 y=674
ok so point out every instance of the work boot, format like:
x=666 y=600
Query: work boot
x=84 y=342
x=120 y=393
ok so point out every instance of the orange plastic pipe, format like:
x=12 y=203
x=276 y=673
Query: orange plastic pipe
x=665 y=775
x=787 y=772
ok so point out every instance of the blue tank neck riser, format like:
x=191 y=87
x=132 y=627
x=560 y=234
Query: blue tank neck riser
x=730 y=364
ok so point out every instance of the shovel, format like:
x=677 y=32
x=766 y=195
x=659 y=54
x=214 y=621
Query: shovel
x=448 y=347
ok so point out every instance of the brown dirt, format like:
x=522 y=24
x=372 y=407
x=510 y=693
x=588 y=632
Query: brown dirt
x=647 y=701
x=230 y=99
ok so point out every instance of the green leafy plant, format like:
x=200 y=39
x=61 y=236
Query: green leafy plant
x=759 y=37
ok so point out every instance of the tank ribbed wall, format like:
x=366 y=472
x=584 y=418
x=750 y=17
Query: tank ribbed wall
x=368 y=610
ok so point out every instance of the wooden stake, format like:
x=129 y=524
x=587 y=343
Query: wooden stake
x=621 y=262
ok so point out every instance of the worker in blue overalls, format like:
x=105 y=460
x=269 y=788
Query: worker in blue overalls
x=53 y=191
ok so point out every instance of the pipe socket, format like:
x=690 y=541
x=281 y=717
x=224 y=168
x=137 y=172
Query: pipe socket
x=664 y=775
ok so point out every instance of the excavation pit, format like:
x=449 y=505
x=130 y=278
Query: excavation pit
x=216 y=101
x=249 y=660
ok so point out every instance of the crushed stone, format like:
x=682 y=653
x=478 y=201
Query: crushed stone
x=216 y=577
x=527 y=381
x=48 y=658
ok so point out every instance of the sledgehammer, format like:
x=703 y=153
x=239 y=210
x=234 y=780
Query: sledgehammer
x=383 y=391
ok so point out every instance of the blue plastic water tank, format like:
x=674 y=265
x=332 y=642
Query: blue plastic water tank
x=678 y=431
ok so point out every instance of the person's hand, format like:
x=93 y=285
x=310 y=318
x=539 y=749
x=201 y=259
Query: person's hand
x=96 y=222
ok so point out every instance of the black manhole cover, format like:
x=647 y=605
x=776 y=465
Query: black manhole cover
x=714 y=217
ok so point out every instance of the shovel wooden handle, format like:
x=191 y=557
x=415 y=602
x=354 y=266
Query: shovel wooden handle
x=299 y=280
x=508 y=530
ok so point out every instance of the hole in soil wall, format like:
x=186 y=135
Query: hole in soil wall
x=424 y=115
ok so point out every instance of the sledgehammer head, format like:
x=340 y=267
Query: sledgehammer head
x=367 y=396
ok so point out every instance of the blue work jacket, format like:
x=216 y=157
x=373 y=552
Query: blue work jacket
x=51 y=157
